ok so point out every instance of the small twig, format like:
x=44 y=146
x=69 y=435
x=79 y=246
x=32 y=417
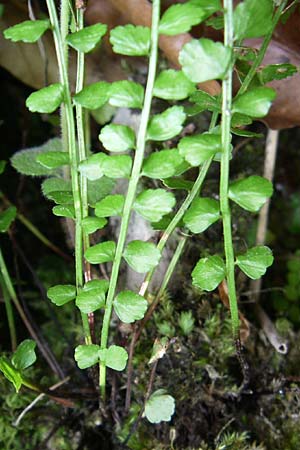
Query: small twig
x=16 y=423
x=290 y=6
x=41 y=289
x=227 y=424
x=270 y=331
x=40 y=44
x=49 y=357
x=267 y=325
x=35 y=231
x=115 y=413
x=148 y=393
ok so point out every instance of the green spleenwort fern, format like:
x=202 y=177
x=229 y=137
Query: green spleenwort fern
x=93 y=175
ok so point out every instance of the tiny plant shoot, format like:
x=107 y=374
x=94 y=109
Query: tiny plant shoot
x=81 y=182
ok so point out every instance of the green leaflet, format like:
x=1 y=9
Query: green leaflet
x=117 y=166
x=205 y=101
x=112 y=205
x=209 y=272
x=92 y=167
x=93 y=96
x=202 y=213
x=130 y=40
x=61 y=294
x=255 y=102
x=250 y=193
x=2 y=166
x=64 y=211
x=159 y=407
x=276 y=72
x=153 y=204
x=141 y=256
x=166 y=125
x=88 y=38
x=25 y=355
x=55 y=184
x=114 y=357
x=130 y=307
x=11 y=373
x=126 y=94
x=99 y=164
x=6 y=218
x=181 y=18
x=163 y=164
x=252 y=18
x=61 y=197
x=117 y=138
x=29 y=31
x=204 y=60
x=86 y=355
x=25 y=162
x=199 y=148
x=92 y=296
x=92 y=224
x=46 y=100
x=101 y=253
x=173 y=85
x=53 y=160
x=255 y=261
x=98 y=189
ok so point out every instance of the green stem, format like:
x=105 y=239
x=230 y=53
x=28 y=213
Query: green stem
x=180 y=213
x=172 y=265
x=262 y=50
x=164 y=284
x=59 y=46
x=10 y=315
x=82 y=153
x=80 y=122
x=64 y=30
x=224 y=177
x=132 y=186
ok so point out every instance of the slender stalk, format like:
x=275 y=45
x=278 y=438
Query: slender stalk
x=64 y=30
x=10 y=315
x=36 y=232
x=148 y=393
x=224 y=177
x=12 y=294
x=262 y=50
x=64 y=20
x=139 y=329
x=135 y=175
x=82 y=153
x=164 y=284
x=74 y=159
x=80 y=122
